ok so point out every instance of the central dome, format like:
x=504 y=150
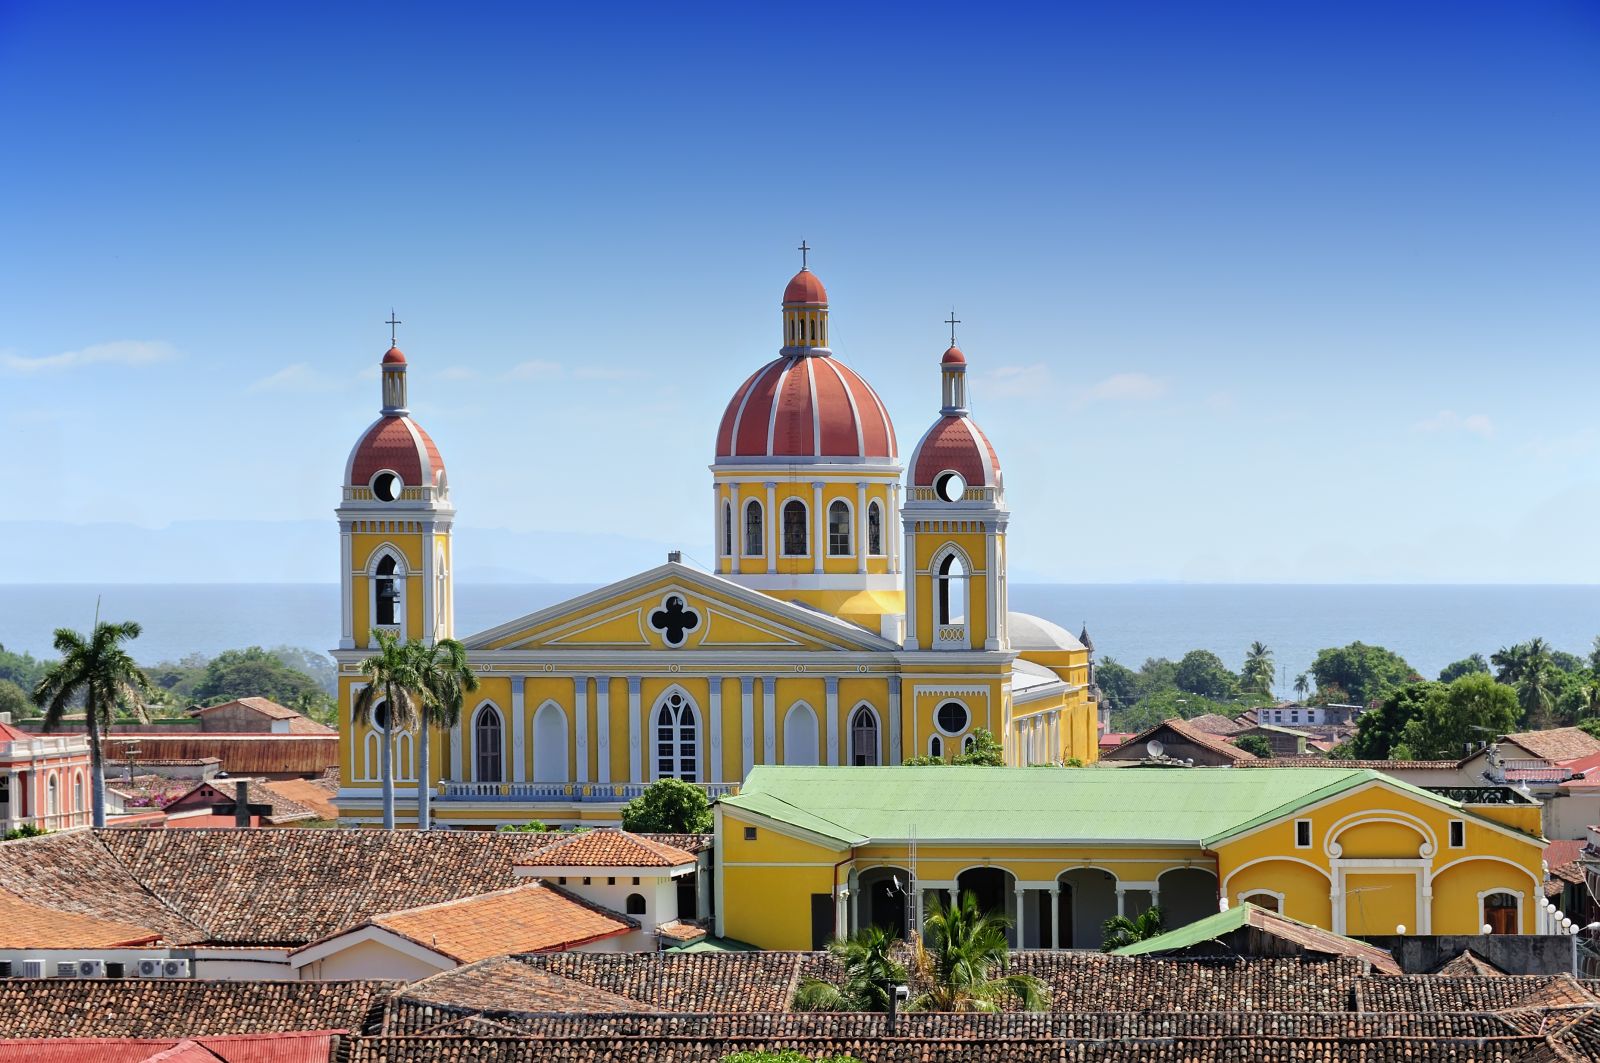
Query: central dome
x=805 y=406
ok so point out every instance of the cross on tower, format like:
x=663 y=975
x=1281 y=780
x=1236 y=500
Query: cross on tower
x=804 y=250
x=393 y=321
x=674 y=620
x=952 y=321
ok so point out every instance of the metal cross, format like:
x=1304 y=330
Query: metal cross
x=804 y=249
x=952 y=321
x=393 y=321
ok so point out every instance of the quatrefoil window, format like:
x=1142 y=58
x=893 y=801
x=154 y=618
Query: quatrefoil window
x=674 y=620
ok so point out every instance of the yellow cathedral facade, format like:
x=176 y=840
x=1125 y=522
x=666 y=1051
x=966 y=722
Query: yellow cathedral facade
x=857 y=614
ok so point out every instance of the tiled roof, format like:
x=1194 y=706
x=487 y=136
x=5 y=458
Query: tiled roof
x=681 y=931
x=1332 y=762
x=180 y=1007
x=1557 y=743
x=316 y=794
x=499 y=984
x=1468 y=964
x=24 y=925
x=607 y=847
x=1216 y=723
x=72 y=871
x=1427 y=993
x=1292 y=936
x=1185 y=730
x=315 y=1047
x=527 y=918
x=281 y=808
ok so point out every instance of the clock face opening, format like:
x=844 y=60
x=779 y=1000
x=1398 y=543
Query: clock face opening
x=950 y=486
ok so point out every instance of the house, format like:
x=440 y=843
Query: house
x=808 y=854
x=1178 y=741
x=234 y=803
x=1292 y=713
x=1217 y=724
x=257 y=716
x=652 y=882
x=44 y=779
x=1283 y=741
x=418 y=942
x=267 y=756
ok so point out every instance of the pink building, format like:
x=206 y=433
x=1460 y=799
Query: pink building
x=44 y=779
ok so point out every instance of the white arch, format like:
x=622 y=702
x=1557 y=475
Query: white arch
x=1259 y=892
x=1092 y=867
x=550 y=743
x=1484 y=895
x=680 y=768
x=1273 y=859
x=744 y=529
x=851 y=547
x=877 y=507
x=1331 y=846
x=877 y=731
x=801 y=744
x=387 y=549
x=783 y=525
x=1437 y=871
x=946 y=609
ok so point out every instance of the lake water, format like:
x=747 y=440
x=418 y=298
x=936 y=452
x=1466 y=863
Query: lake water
x=1428 y=625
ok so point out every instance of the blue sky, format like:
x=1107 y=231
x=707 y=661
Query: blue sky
x=1284 y=292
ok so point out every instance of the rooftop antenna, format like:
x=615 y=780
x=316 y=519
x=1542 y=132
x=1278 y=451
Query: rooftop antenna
x=804 y=250
x=392 y=322
x=952 y=321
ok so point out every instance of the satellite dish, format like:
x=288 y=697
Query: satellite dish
x=1155 y=748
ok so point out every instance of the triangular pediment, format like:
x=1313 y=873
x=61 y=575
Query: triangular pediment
x=677 y=609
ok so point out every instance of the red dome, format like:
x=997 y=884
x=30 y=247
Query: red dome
x=806 y=407
x=400 y=445
x=955 y=444
x=805 y=288
x=953 y=356
x=393 y=357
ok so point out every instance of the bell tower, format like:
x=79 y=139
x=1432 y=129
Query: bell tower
x=395 y=517
x=955 y=522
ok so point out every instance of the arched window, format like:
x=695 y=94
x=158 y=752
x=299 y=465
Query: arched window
x=727 y=530
x=677 y=748
x=755 y=540
x=838 y=529
x=952 y=580
x=387 y=592
x=1272 y=902
x=486 y=733
x=800 y=745
x=52 y=799
x=634 y=905
x=1500 y=913
x=875 y=529
x=78 y=804
x=863 y=737
x=550 y=744
x=936 y=746
x=968 y=744
x=794 y=528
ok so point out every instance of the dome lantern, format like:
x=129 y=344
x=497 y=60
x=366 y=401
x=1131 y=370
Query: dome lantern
x=805 y=311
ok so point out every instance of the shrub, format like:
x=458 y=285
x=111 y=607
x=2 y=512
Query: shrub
x=668 y=806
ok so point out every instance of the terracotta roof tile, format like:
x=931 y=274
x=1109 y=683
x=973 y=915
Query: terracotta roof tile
x=528 y=918
x=1190 y=733
x=314 y=1047
x=502 y=983
x=1427 y=993
x=316 y=794
x=1468 y=964
x=24 y=925
x=72 y=871
x=180 y=1007
x=608 y=847
x=1217 y=724
x=1557 y=743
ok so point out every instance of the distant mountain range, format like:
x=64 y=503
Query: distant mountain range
x=302 y=551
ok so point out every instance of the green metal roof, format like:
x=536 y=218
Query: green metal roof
x=1308 y=937
x=1190 y=806
x=1201 y=930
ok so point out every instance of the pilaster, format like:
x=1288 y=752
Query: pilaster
x=519 y=772
x=635 y=750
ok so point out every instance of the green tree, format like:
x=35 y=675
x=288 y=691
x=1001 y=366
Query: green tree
x=251 y=672
x=442 y=679
x=1157 y=674
x=668 y=806
x=1474 y=665
x=1202 y=672
x=1119 y=930
x=387 y=703
x=868 y=975
x=1381 y=728
x=23 y=669
x=1302 y=686
x=1255 y=745
x=962 y=957
x=1119 y=684
x=1259 y=671
x=1594 y=656
x=533 y=826
x=1464 y=714
x=1363 y=673
x=13 y=699
x=98 y=672
x=1528 y=669
x=985 y=751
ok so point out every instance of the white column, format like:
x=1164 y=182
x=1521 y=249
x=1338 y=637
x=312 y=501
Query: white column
x=718 y=533
x=1120 y=909
x=747 y=720
x=769 y=720
x=346 y=591
x=861 y=527
x=911 y=593
x=430 y=608
x=602 y=727
x=714 y=774
x=738 y=526
x=1022 y=908
x=819 y=543
x=891 y=521
x=635 y=750
x=894 y=720
x=833 y=732
x=518 y=753
x=1055 y=914
x=991 y=596
x=773 y=530
x=580 y=709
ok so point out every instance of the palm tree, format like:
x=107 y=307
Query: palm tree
x=1509 y=662
x=99 y=671
x=388 y=703
x=1302 y=686
x=958 y=955
x=1120 y=930
x=441 y=677
x=1258 y=668
x=870 y=975
x=1591 y=699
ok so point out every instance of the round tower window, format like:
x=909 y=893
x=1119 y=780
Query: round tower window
x=950 y=486
x=386 y=486
x=952 y=717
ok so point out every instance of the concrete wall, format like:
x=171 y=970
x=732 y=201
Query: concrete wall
x=1512 y=953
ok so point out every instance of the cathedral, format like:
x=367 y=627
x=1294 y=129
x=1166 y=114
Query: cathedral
x=857 y=615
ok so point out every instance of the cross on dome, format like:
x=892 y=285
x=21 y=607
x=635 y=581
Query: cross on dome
x=952 y=321
x=804 y=250
x=392 y=322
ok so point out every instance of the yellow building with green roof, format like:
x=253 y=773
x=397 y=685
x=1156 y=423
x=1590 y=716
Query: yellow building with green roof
x=806 y=854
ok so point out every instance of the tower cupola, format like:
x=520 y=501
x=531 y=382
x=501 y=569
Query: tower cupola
x=805 y=311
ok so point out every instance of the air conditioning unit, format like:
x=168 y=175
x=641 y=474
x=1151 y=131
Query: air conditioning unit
x=5 y=968
x=91 y=968
x=33 y=968
x=150 y=968
x=174 y=968
x=67 y=969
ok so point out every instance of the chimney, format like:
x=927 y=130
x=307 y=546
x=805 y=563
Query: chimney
x=674 y=557
x=241 y=803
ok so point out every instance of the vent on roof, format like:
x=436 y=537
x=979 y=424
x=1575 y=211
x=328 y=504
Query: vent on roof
x=67 y=969
x=116 y=969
